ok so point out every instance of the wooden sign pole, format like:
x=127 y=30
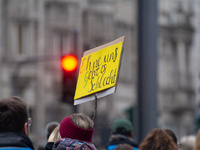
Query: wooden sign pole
x=95 y=108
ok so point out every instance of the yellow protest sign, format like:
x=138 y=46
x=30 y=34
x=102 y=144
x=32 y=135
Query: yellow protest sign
x=99 y=70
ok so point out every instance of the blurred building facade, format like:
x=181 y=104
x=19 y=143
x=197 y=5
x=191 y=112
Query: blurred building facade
x=177 y=65
x=35 y=34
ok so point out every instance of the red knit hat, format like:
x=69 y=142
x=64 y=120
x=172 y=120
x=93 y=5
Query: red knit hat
x=69 y=130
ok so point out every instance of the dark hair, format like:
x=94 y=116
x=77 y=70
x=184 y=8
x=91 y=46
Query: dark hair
x=13 y=114
x=158 y=140
x=172 y=134
x=50 y=127
x=122 y=130
x=124 y=146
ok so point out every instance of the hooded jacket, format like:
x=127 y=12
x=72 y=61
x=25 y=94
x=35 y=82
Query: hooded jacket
x=15 y=141
x=116 y=139
x=72 y=144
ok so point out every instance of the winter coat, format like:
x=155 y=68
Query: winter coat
x=15 y=141
x=49 y=146
x=73 y=144
x=120 y=139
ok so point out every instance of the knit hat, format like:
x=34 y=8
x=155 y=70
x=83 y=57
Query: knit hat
x=69 y=130
x=122 y=126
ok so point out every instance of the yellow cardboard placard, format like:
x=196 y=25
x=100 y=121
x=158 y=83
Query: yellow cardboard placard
x=99 y=70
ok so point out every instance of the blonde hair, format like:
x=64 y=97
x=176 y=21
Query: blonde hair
x=55 y=135
x=82 y=121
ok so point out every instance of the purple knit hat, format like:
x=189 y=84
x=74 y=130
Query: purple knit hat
x=69 y=130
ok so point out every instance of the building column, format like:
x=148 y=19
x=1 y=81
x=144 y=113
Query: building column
x=182 y=72
x=40 y=86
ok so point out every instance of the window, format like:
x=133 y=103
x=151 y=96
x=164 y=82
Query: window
x=21 y=40
x=174 y=66
x=61 y=44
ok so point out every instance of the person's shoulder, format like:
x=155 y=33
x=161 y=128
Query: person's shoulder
x=113 y=144
x=121 y=141
x=49 y=146
x=15 y=148
x=135 y=148
x=61 y=148
x=111 y=147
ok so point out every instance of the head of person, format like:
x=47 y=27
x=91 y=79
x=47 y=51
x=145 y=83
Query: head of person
x=55 y=135
x=158 y=139
x=172 y=134
x=124 y=146
x=13 y=115
x=122 y=126
x=50 y=127
x=188 y=142
x=77 y=126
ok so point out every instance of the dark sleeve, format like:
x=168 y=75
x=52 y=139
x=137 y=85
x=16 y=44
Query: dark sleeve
x=49 y=146
x=61 y=148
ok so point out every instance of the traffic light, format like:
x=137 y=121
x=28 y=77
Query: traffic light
x=69 y=65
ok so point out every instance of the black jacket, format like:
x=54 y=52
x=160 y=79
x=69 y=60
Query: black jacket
x=49 y=146
x=15 y=141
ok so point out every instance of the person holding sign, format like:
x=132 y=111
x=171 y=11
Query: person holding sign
x=76 y=132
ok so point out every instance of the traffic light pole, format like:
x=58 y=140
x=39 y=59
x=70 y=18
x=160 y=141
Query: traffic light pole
x=147 y=66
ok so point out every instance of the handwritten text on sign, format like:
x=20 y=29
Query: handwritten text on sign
x=98 y=70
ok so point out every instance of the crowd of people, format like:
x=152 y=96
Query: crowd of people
x=75 y=132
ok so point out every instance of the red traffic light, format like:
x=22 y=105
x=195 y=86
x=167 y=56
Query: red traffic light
x=69 y=62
